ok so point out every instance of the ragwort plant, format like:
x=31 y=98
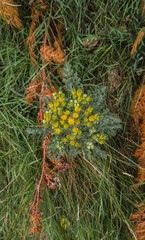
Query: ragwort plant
x=78 y=120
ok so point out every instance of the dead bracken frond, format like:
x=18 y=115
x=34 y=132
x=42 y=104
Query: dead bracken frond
x=35 y=218
x=34 y=87
x=9 y=12
x=50 y=54
x=31 y=40
x=138 y=114
x=142 y=8
x=138 y=219
x=138 y=106
x=140 y=154
x=137 y=41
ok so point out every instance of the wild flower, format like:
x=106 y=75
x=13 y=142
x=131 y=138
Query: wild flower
x=64 y=223
x=78 y=121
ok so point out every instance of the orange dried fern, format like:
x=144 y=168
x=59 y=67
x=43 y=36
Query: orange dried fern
x=137 y=41
x=50 y=54
x=138 y=114
x=142 y=8
x=138 y=105
x=9 y=12
x=138 y=219
x=34 y=87
x=36 y=217
x=31 y=40
x=141 y=32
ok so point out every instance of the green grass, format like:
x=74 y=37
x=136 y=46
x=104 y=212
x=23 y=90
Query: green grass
x=97 y=203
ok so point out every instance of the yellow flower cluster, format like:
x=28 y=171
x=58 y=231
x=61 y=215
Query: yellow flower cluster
x=69 y=117
x=99 y=138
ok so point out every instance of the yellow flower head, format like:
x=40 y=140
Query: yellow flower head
x=55 y=125
x=61 y=99
x=57 y=95
x=75 y=115
x=75 y=130
x=102 y=137
x=72 y=137
x=96 y=116
x=68 y=135
x=71 y=104
x=54 y=109
x=80 y=132
x=66 y=126
x=77 y=109
x=50 y=104
x=89 y=124
x=88 y=99
x=77 y=122
x=72 y=143
x=54 y=117
x=90 y=109
x=85 y=119
x=62 y=122
x=64 y=117
x=63 y=104
x=91 y=118
x=77 y=144
x=44 y=123
x=79 y=92
x=94 y=136
x=46 y=117
x=86 y=113
x=58 y=131
x=80 y=98
x=64 y=223
x=71 y=121
x=73 y=91
x=67 y=112
x=62 y=95
x=60 y=112
x=56 y=103
x=52 y=121
x=64 y=140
